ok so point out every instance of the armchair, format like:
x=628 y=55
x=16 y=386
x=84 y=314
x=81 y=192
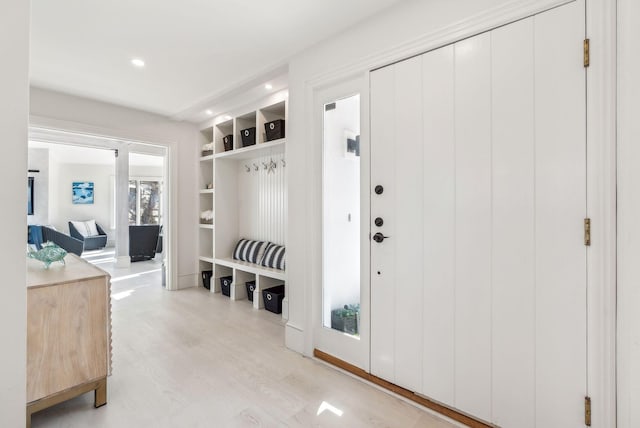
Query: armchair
x=143 y=241
x=94 y=242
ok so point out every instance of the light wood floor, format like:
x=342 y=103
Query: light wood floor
x=194 y=359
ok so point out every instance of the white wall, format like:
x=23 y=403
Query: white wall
x=14 y=110
x=55 y=110
x=628 y=214
x=145 y=171
x=39 y=160
x=63 y=210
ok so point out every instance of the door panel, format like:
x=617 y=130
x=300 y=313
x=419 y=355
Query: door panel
x=439 y=226
x=513 y=229
x=560 y=206
x=473 y=225
x=480 y=147
x=383 y=292
x=408 y=224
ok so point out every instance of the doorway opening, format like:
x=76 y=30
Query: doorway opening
x=64 y=161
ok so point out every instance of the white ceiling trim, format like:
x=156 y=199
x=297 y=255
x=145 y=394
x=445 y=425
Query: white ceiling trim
x=245 y=88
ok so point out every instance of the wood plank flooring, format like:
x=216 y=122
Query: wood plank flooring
x=194 y=359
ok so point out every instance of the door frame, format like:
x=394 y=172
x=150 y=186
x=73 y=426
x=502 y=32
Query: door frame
x=356 y=353
x=64 y=133
x=601 y=172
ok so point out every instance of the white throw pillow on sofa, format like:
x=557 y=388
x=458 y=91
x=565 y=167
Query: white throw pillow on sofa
x=86 y=228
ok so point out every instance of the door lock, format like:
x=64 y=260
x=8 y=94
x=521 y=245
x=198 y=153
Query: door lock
x=378 y=189
x=379 y=237
x=378 y=221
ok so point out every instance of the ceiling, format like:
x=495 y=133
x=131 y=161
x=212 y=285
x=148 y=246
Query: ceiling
x=197 y=52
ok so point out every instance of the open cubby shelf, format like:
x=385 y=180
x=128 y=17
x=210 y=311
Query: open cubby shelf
x=248 y=202
x=271 y=147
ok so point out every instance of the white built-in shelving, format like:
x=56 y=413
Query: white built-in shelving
x=249 y=197
x=249 y=152
x=206 y=201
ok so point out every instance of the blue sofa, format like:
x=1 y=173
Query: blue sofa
x=37 y=235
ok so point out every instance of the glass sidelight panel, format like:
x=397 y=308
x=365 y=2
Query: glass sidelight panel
x=341 y=215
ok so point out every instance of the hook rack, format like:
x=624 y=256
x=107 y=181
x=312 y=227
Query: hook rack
x=270 y=166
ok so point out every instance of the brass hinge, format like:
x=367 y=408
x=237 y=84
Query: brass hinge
x=585 y=48
x=587 y=231
x=587 y=411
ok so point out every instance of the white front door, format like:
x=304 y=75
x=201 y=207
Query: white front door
x=478 y=179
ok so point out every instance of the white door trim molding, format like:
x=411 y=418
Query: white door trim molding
x=476 y=24
x=601 y=200
x=601 y=188
x=353 y=351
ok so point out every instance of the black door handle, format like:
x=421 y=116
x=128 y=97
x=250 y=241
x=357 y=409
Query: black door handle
x=379 y=237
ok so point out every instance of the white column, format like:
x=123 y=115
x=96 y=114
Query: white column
x=122 y=203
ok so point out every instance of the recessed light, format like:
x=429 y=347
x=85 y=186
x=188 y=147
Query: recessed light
x=209 y=112
x=268 y=86
x=137 y=62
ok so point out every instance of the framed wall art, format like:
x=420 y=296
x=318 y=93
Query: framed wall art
x=82 y=192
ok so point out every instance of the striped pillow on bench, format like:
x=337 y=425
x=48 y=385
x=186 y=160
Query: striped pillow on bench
x=274 y=256
x=247 y=250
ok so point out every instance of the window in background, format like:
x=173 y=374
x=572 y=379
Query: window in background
x=133 y=202
x=145 y=201
x=149 y=202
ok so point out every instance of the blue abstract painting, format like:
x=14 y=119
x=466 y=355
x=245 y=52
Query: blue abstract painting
x=82 y=192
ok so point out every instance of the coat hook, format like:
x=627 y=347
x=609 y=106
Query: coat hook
x=272 y=166
x=247 y=168
x=264 y=164
x=284 y=163
x=256 y=167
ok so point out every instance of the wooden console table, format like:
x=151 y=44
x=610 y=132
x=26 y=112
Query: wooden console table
x=68 y=333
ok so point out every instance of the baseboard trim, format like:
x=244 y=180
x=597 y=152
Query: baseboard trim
x=294 y=338
x=405 y=393
x=123 y=261
x=187 y=281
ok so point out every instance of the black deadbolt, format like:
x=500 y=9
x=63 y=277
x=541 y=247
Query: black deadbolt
x=378 y=221
x=378 y=189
